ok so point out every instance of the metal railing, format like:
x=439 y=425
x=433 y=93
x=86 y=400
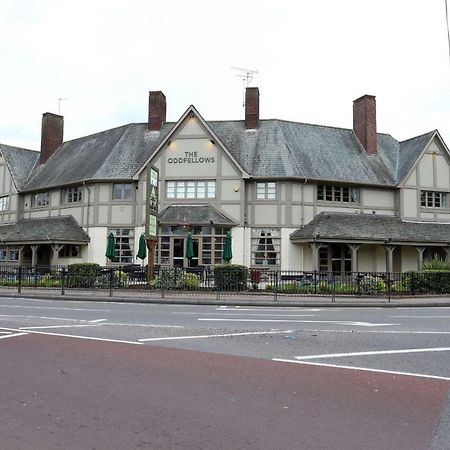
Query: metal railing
x=220 y=280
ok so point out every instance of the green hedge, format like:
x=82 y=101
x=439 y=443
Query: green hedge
x=230 y=277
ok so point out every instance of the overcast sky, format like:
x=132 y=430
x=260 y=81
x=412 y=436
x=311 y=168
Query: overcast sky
x=313 y=59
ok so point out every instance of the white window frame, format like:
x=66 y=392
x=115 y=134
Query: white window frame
x=266 y=247
x=124 y=240
x=40 y=199
x=191 y=189
x=122 y=191
x=433 y=199
x=4 y=203
x=266 y=190
x=341 y=194
x=72 y=194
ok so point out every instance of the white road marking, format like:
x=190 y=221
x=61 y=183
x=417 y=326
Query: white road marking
x=377 y=352
x=222 y=308
x=421 y=317
x=214 y=335
x=58 y=326
x=364 y=369
x=229 y=313
x=77 y=337
x=54 y=307
x=13 y=335
x=374 y=331
x=98 y=320
x=337 y=322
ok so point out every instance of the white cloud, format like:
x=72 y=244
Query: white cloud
x=313 y=58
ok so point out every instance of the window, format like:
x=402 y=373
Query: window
x=191 y=189
x=13 y=254
x=266 y=245
x=208 y=244
x=124 y=245
x=345 y=194
x=431 y=199
x=266 y=190
x=70 y=251
x=72 y=195
x=4 y=203
x=122 y=191
x=3 y=254
x=40 y=199
x=335 y=258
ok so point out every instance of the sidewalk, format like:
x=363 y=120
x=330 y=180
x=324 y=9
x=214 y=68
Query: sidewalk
x=229 y=299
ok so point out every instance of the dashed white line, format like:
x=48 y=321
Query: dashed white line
x=335 y=322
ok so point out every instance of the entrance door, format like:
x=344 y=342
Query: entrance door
x=178 y=252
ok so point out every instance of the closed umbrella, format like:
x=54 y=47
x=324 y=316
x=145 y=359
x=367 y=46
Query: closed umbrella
x=142 y=251
x=111 y=247
x=227 y=254
x=189 y=248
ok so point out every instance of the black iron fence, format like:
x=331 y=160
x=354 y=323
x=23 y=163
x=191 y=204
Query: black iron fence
x=221 y=280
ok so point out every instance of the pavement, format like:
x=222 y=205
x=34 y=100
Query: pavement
x=224 y=298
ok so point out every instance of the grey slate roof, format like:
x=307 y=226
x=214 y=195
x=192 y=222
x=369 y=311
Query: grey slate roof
x=20 y=162
x=369 y=227
x=410 y=150
x=63 y=229
x=197 y=214
x=115 y=154
x=288 y=149
x=276 y=149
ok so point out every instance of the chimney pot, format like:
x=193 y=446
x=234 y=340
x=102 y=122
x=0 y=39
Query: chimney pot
x=51 y=135
x=156 y=110
x=251 y=107
x=365 y=122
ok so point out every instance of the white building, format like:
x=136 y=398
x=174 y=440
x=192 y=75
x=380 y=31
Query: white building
x=294 y=196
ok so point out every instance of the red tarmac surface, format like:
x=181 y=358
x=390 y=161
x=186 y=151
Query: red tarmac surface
x=63 y=393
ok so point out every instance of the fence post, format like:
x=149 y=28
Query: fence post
x=162 y=279
x=315 y=281
x=275 y=291
x=111 y=273
x=412 y=284
x=63 y=280
x=389 y=286
x=333 y=291
x=19 y=280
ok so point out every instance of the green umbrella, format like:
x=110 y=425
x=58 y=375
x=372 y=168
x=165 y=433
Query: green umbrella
x=227 y=251
x=142 y=251
x=111 y=247
x=189 y=247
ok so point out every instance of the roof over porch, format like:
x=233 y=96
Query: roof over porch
x=48 y=230
x=193 y=215
x=370 y=228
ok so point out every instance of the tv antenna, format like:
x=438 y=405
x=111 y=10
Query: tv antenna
x=246 y=75
x=59 y=104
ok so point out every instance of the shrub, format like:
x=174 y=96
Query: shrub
x=83 y=275
x=50 y=280
x=370 y=285
x=435 y=264
x=175 y=278
x=230 y=277
x=430 y=282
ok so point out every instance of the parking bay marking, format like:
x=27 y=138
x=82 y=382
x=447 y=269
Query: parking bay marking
x=12 y=335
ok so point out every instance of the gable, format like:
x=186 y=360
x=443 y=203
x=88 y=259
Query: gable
x=193 y=150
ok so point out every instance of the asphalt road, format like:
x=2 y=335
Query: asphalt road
x=226 y=377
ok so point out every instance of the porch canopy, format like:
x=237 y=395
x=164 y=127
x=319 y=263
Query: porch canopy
x=48 y=230
x=370 y=228
x=356 y=229
x=43 y=237
x=193 y=214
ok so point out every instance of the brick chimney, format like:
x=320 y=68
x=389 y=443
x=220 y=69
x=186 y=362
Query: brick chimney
x=365 y=122
x=251 y=108
x=156 y=110
x=51 y=135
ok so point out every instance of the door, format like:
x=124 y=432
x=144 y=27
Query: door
x=178 y=252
